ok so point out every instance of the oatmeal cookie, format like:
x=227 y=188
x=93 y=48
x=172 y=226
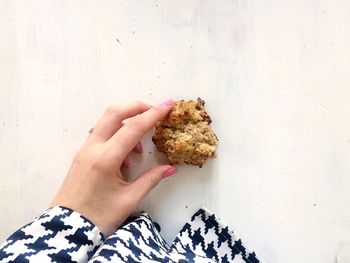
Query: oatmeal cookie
x=185 y=135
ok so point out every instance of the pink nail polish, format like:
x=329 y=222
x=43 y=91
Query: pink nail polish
x=171 y=171
x=168 y=103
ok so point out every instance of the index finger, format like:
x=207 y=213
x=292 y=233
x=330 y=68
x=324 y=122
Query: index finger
x=123 y=141
x=111 y=120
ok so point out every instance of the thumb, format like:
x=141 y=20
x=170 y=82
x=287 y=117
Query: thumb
x=150 y=179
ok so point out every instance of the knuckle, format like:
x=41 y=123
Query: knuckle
x=139 y=104
x=111 y=109
x=158 y=111
x=97 y=164
x=154 y=179
x=80 y=156
x=135 y=123
x=97 y=161
x=91 y=159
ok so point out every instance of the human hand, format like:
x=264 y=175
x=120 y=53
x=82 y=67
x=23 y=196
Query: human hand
x=94 y=185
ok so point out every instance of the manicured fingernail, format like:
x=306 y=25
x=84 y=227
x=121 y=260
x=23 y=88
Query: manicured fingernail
x=171 y=171
x=168 y=103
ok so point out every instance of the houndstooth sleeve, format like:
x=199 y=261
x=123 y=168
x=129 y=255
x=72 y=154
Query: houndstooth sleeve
x=58 y=235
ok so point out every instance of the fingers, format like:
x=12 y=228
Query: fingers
x=138 y=148
x=131 y=133
x=150 y=179
x=113 y=117
x=126 y=162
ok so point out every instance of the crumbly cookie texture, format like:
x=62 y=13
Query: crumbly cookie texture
x=185 y=135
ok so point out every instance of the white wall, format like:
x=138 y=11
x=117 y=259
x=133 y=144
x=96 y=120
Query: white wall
x=275 y=75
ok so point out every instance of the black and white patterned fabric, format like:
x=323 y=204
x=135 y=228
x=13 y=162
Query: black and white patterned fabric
x=58 y=235
x=62 y=235
x=207 y=237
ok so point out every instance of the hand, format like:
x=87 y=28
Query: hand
x=94 y=185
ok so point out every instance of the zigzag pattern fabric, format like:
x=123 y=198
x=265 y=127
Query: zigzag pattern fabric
x=62 y=235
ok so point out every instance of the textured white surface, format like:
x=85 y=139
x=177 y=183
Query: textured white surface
x=275 y=75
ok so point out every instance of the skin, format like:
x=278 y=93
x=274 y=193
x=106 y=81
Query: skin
x=95 y=186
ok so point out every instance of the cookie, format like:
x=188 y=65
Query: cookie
x=185 y=135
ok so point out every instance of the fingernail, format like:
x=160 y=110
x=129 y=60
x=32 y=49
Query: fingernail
x=168 y=103
x=171 y=171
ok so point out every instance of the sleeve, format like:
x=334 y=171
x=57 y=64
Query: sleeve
x=58 y=235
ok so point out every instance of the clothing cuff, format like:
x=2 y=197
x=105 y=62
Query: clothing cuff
x=58 y=235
